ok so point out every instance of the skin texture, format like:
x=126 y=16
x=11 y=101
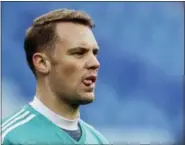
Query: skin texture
x=61 y=75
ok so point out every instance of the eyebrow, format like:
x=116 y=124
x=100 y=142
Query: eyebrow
x=80 y=47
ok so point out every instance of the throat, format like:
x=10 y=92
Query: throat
x=61 y=115
x=55 y=103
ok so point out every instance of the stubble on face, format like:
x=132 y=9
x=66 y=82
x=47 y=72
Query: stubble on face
x=69 y=66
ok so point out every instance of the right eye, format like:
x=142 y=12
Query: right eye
x=79 y=54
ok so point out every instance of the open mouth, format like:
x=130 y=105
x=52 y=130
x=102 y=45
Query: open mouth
x=90 y=80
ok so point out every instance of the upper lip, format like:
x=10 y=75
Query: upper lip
x=92 y=78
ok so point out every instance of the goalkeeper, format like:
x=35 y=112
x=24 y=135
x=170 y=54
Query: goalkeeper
x=61 y=51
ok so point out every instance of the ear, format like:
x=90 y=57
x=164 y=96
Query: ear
x=41 y=63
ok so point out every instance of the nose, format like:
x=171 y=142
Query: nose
x=93 y=62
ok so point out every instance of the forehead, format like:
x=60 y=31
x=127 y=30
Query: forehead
x=74 y=35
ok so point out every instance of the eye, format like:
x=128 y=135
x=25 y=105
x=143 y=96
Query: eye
x=79 y=54
x=95 y=52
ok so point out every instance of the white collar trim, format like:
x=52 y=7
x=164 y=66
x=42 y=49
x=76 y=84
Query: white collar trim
x=55 y=118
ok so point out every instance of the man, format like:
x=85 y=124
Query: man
x=61 y=50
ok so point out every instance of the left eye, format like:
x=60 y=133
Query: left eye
x=95 y=52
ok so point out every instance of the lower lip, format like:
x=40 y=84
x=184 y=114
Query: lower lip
x=88 y=83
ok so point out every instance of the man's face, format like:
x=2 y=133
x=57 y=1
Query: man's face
x=74 y=68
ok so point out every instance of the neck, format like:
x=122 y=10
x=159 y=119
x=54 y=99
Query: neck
x=56 y=103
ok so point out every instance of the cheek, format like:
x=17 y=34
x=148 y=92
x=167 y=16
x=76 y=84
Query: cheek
x=71 y=71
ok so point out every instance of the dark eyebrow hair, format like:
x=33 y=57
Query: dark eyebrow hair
x=80 y=47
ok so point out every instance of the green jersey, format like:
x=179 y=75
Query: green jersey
x=29 y=127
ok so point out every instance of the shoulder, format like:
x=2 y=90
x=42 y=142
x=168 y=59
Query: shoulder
x=16 y=126
x=100 y=136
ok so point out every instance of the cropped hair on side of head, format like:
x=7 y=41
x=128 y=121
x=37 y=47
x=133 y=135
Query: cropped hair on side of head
x=41 y=35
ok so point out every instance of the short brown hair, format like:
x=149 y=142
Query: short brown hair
x=41 y=35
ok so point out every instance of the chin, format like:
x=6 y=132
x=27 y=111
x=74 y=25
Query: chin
x=87 y=98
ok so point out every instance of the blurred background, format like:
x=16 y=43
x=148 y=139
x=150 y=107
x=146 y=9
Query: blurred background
x=139 y=94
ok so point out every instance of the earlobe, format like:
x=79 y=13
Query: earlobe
x=41 y=63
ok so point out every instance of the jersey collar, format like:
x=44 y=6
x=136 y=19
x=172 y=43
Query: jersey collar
x=52 y=116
